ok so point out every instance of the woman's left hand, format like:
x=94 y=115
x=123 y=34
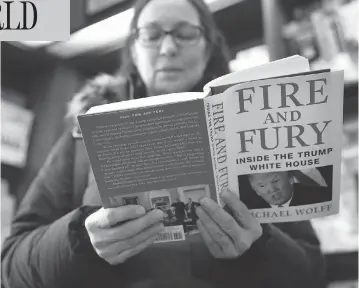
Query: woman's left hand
x=227 y=236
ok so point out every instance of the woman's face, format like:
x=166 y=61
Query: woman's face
x=169 y=67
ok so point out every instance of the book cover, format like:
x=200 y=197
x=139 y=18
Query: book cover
x=273 y=142
x=157 y=157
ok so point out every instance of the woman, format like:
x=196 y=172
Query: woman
x=60 y=239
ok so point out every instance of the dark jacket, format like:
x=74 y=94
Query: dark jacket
x=45 y=250
x=302 y=195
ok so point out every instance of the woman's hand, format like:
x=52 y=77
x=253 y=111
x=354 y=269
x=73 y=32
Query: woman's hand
x=227 y=236
x=115 y=240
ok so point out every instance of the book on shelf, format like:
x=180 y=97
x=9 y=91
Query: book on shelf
x=267 y=133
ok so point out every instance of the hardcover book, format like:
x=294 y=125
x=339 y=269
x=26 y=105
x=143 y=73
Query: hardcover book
x=271 y=134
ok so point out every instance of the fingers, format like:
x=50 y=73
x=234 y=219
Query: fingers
x=217 y=234
x=238 y=209
x=105 y=218
x=212 y=245
x=133 y=227
x=117 y=243
x=250 y=226
x=154 y=230
x=213 y=209
x=106 y=250
x=233 y=235
x=221 y=218
x=123 y=256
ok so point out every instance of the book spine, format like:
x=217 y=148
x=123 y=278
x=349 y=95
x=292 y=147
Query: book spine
x=214 y=107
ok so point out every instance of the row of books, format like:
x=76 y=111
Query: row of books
x=326 y=33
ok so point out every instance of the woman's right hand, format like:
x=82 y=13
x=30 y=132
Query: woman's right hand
x=119 y=233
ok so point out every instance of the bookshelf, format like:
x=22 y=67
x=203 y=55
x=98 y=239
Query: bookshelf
x=342 y=263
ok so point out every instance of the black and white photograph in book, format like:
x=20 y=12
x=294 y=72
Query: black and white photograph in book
x=278 y=189
x=178 y=205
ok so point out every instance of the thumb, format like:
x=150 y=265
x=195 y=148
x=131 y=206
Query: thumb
x=237 y=209
x=108 y=217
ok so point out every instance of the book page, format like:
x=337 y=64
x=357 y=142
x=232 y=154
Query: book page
x=283 y=155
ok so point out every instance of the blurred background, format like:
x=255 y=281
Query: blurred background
x=39 y=78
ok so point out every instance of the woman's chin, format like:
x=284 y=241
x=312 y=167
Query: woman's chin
x=167 y=87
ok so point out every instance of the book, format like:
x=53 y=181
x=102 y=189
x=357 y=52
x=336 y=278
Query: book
x=269 y=133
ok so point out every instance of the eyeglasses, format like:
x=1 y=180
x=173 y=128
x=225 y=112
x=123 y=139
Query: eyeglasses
x=184 y=35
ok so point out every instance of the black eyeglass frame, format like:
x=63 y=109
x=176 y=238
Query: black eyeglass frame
x=135 y=35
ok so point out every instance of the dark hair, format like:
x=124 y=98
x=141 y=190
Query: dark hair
x=219 y=53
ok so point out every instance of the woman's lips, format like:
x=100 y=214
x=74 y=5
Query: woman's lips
x=169 y=72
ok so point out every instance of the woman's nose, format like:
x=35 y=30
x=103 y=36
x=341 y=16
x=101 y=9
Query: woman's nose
x=168 y=46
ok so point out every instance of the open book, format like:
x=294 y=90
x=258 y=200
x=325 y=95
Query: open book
x=270 y=133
